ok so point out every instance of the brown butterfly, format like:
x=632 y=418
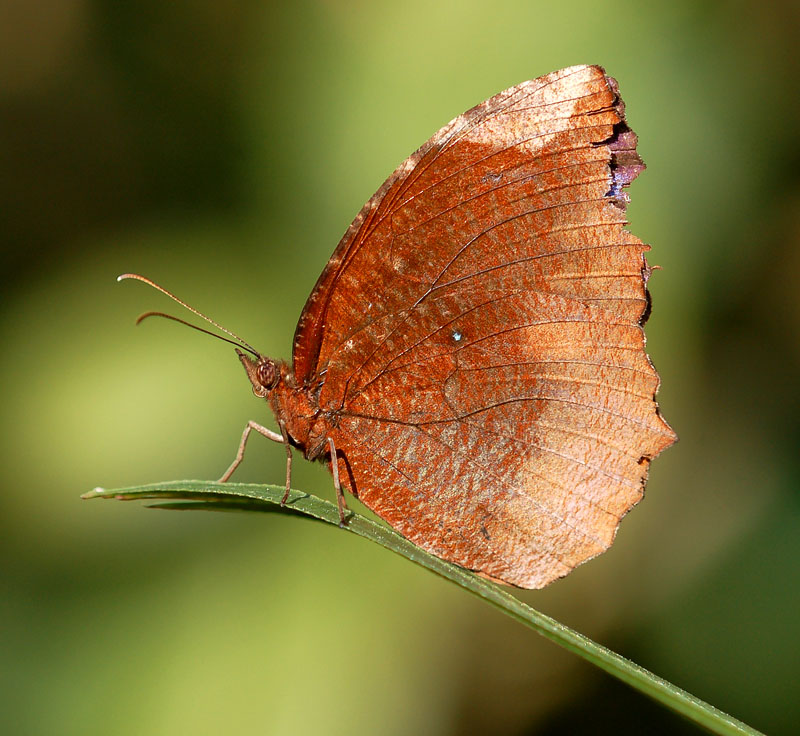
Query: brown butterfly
x=471 y=363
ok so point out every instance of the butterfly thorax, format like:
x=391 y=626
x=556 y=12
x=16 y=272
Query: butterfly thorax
x=296 y=407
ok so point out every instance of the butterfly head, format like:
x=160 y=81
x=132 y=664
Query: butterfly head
x=263 y=373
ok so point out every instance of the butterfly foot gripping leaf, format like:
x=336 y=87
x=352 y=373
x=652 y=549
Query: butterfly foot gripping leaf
x=474 y=349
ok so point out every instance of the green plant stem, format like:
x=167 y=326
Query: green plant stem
x=251 y=497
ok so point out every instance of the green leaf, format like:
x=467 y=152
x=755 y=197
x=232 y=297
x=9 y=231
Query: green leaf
x=205 y=495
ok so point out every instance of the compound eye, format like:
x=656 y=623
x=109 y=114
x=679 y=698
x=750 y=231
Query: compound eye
x=267 y=374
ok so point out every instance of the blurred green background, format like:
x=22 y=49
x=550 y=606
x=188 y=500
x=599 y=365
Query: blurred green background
x=222 y=148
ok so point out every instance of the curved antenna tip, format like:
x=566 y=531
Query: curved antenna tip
x=172 y=296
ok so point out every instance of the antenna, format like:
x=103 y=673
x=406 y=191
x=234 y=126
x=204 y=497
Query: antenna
x=156 y=286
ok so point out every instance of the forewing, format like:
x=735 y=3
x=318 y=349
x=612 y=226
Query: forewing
x=488 y=189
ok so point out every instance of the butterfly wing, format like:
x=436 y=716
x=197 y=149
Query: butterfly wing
x=477 y=335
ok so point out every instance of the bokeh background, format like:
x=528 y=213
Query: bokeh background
x=222 y=148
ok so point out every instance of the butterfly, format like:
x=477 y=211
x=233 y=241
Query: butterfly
x=471 y=363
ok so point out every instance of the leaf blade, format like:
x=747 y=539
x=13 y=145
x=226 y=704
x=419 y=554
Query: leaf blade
x=206 y=495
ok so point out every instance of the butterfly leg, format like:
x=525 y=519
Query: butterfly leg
x=285 y=440
x=337 y=485
x=268 y=433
